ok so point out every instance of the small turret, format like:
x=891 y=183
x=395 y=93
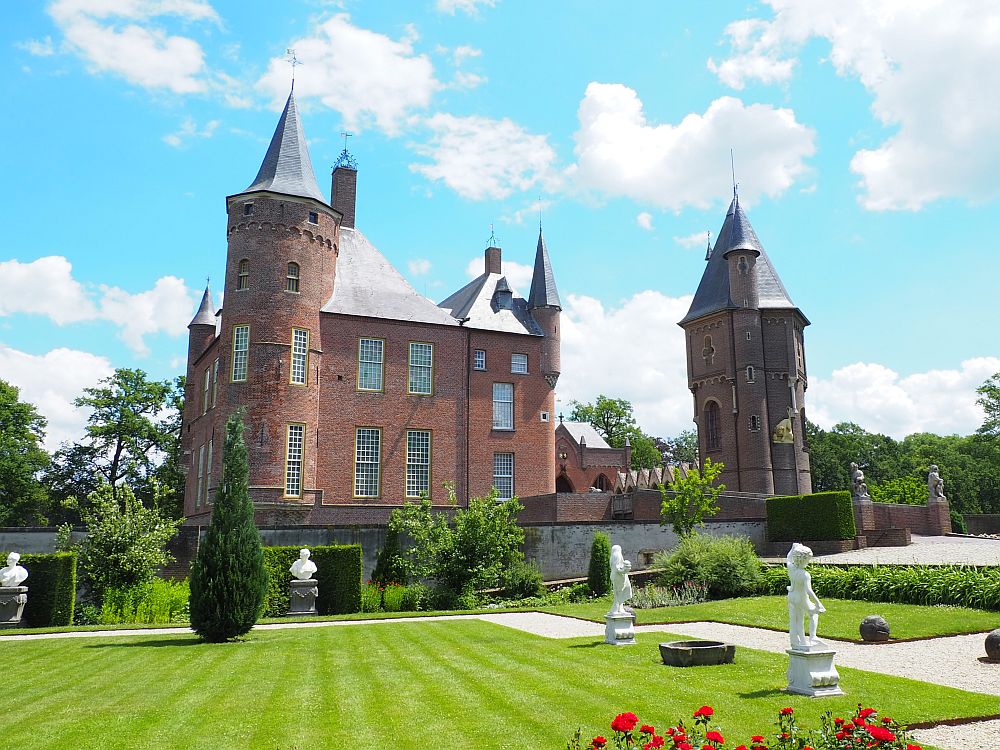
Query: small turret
x=201 y=329
x=543 y=302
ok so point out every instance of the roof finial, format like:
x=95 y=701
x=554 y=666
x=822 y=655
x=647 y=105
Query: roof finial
x=539 y=214
x=346 y=159
x=345 y=135
x=708 y=245
x=293 y=61
x=208 y=281
x=493 y=238
x=732 y=164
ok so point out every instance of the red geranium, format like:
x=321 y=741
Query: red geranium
x=786 y=711
x=598 y=742
x=757 y=738
x=625 y=722
x=714 y=736
x=913 y=747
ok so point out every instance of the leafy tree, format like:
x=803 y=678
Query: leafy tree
x=612 y=417
x=687 y=501
x=228 y=578
x=389 y=567
x=599 y=573
x=126 y=542
x=682 y=448
x=23 y=499
x=903 y=490
x=832 y=452
x=989 y=399
x=645 y=454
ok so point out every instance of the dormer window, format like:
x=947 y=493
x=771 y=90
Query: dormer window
x=503 y=297
x=243 y=277
x=247 y=209
x=313 y=217
x=292 y=279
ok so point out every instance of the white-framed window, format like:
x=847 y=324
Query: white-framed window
x=313 y=217
x=503 y=475
x=201 y=476
x=300 y=356
x=421 y=368
x=241 y=353
x=208 y=470
x=367 y=461
x=206 y=390
x=479 y=359
x=754 y=423
x=294 y=443
x=243 y=276
x=370 y=355
x=292 y=278
x=751 y=375
x=503 y=406
x=215 y=382
x=519 y=363
x=418 y=462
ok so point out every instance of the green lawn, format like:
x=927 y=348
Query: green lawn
x=412 y=685
x=841 y=620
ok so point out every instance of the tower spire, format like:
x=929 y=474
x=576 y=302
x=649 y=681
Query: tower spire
x=543 y=281
x=206 y=310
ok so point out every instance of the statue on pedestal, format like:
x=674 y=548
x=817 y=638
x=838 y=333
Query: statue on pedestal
x=12 y=575
x=620 y=622
x=935 y=485
x=303 y=568
x=802 y=600
x=859 y=490
x=13 y=596
x=304 y=590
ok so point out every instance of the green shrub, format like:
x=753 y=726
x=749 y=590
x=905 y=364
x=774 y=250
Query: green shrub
x=338 y=576
x=599 y=572
x=51 y=589
x=389 y=565
x=650 y=596
x=152 y=603
x=416 y=597
x=371 y=598
x=521 y=580
x=393 y=596
x=727 y=565
x=958 y=522
x=802 y=518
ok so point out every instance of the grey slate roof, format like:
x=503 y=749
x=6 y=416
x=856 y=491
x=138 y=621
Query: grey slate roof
x=475 y=302
x=287 y=168
x=713 y=291
x=543 y=282
x=587 y=431
x=206 y=311
x=367 y=284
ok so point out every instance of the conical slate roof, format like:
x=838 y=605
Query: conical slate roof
x=206 y=311
x=543 y=282
x=713 y=291
x=287 y=168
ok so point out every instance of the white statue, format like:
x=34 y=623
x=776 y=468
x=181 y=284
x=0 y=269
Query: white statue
x=303 y=568
x=802 y=600
x=13 y=574
x=859 y=489
x=621 y=587
x=935 y=485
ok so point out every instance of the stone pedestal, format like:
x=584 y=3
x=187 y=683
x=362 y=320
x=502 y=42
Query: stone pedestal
x=12 y=601
x=620 y=629
x=302 y=600
x=811 y=671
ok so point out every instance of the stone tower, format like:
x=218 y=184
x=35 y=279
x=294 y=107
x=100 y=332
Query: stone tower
x=543 y=302
x=746 y=366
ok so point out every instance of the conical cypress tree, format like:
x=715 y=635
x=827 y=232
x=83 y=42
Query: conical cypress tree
x=599 y=574
x=228 y=578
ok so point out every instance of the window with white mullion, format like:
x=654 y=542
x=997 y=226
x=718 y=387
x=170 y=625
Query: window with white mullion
x=503 y=475
x=241 y=352
x=206 y=390
x=503 y=406
x=519 y=363
x=418 y=463
x=421 y=368
x=201 y=476
x=367 y=459
x=370 y=355
x=293 y=460
x=300 y=355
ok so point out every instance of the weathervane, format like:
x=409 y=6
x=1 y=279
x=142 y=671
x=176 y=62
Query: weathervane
x=493 y=239
x=293 y=61
x=732 y=164
x=345 y=159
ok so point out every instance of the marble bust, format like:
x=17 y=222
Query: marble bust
x=621 y=587
x=303 y=568
x=12 y=575
x=802 y=600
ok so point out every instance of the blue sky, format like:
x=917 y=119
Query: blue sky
x=866 y=149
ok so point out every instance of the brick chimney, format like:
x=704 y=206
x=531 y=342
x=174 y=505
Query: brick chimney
x=492 y=256
x=343 y=193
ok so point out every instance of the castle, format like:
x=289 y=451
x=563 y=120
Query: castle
x=359 y=392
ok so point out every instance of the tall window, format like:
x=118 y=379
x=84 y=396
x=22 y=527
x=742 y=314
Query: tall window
x=293 y=460
x=201 y=476
x=367 y=457
x=750 y=374
x=754 y=423
x=479 y=359
x=241 y=352
x=292 y=279
x=370 y=353
x=300 y=356
x=215 y=382
x=421 y=368
x=519 y=363
x=208 y=470
x=503 y=406
x=503 y=474
x=418 y=462
x=712 y=425
x=243 y=277
x=206 y=390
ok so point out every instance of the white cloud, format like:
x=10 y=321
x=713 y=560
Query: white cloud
x=532 y=211
x=643 y=332
x=463 y=80
x=619 y=153
x=482 y=158
x=419 y=266
x=469 y=7
x=463 y=52
x=518 y=274
x=51 y=381
x=38 y=48
x=189 y=129
x=119 y=37
x=166 y=308
x=645 y=221
x=691 y=241
x=929 y=67
x=881 y=400
x=64 y=301
x=367 y=77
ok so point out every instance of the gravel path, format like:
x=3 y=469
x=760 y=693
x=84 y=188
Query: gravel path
x=926 y=550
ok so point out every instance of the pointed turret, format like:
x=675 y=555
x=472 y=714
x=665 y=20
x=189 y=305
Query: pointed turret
x=206 y=311
x=543 y=281
x=287 y=168
x=201 y=330
x=543 y=302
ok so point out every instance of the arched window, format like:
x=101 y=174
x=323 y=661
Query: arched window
x=292 y=280
x=750 y=374
x=243 y=278
x=712 y=425
x=708 y=351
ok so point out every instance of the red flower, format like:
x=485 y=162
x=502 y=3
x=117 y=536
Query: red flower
x=886 y=720
x=657 y=741
x=840 y=735
x=598 y=742
x=858 y=721
x=646 y=729
x=684 y=746
x=786 y=711
x=741 y=747
x=714 y=736
x=759 y=747
x=838 y=721
x=707 y=747
x=625 y=722
x=757 y=738
x=913 y=747
x=864 y=713
x=881 y=734
x=704 y=711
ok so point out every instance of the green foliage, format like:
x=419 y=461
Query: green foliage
x=683 y=448
x=154 y=602
x=599 y=572
x=228 y=578
x=727 y=565
x=654 y=597
x=23 y=499
x=338 y=577
x=391 y=598
x=832 y=452
x=613 y=418
x=903 y=490
x=51 y=589
x=957 y=522
x=522 y=580
x=389 y=565
x=820 y=516
x=989 y=399
x=687 y=501
x=126 y=542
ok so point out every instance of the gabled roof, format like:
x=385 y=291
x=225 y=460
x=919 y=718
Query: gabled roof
x=587 y=431
x=367 y=284
x=543 y=282
x=474 y=301
x=713 y=290
x=206 y=311
x=287 y=168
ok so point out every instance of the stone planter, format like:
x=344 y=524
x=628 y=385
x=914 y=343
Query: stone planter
x=302 y=598
x=12 y=601
x=697 y=653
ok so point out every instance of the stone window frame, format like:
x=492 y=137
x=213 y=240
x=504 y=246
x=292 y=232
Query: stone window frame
x=418 y=462
x=503 y=407
x=298 y=369
x=369 y=440
x=421 y=369
x=206 y=391
x=503 y=474
x=713 y=427
x=314 y=217
x=295 y=444
x=751 y=374
x=754 y=423
x=215 y=382
x=372 y=363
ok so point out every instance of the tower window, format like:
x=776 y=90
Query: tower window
x=708 y=351
x=313 y=217
x=247 y=209
x=300 y=356
x=754 y=423
x=241 y=353
x=749 y=337
x=292 y=278
x=293 y=460
x=519 y=363
x=206 y=391
x=750 y=374
x=243 y=277
x=712 y=425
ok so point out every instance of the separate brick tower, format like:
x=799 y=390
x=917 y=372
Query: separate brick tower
x=746 y=366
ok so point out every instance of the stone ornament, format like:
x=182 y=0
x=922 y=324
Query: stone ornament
x=620 y=628
x=12 y=575
x=935 y=485
x=859 y=490
x=304 y=590
x=810 y=661
x=993 y=645
x=783 y=432
x=303 y=568
x=13 y=596
x=874 y=629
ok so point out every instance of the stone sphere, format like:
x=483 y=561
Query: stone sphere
x=875 y=629
x=993 y=645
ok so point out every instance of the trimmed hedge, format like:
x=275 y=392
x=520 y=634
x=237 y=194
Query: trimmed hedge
x=51 y=589
x=599 y=572
x=955 y=585
x=802 y=518
x=338 y=575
